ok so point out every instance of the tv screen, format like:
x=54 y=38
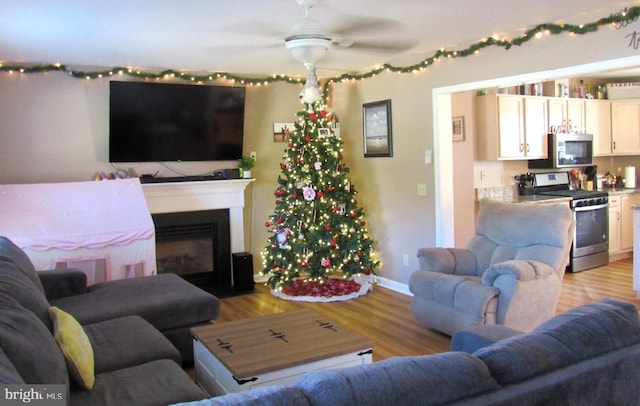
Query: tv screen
x=154 y=122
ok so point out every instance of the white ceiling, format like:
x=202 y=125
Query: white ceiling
x=246 y=37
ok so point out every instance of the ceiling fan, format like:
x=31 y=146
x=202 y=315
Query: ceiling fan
x=308 y=41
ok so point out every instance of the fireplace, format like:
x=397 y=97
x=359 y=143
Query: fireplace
x=195 y=245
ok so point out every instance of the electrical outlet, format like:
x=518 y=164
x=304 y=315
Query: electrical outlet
x=422 y=189
x=253 y=155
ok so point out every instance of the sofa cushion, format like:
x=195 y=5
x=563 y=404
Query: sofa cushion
x=17 y=285
x=127 y=341
x=400 y=381
x=166 y=301
x=12 y=252
x=155 y=383
x=75 y=346
x=276 y=395
x=9 y=375
x=29 y=345
x=578 y=334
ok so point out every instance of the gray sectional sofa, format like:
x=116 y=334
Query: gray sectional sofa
x=586 y=356
x=132 y=327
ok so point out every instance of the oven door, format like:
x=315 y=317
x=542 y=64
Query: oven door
x=592 y=230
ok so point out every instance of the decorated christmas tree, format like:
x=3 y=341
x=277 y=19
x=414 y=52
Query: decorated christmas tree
x=318 y=232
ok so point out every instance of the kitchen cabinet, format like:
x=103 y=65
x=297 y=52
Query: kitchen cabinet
x=511 y=127
x=626 y=220
x=614 y=224
x=625 y=127
x=535 y=127
x=598 y=122
x=569 y=112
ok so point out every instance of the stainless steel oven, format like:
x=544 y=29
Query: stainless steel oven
x=591 y=238
x=590 y=246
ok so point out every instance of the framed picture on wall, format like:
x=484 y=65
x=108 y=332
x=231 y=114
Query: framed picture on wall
x=282 y=131
x=458 y=128
x=377 y=129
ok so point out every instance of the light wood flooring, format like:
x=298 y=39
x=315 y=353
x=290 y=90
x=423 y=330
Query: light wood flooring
x=384 y=316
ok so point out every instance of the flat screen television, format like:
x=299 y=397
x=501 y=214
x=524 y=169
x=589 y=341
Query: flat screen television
x=157 y=122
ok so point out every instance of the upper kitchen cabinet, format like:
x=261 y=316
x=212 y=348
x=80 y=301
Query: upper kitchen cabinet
x=535 y=127
x=511 y=127
x=598 y=122
x=625 y=127
x=567 y=112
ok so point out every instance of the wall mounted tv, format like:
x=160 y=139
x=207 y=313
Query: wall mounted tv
x=155 y=122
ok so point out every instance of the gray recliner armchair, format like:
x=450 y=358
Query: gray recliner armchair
x=510 y=273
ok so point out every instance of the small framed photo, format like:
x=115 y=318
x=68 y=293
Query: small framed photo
x=323 y=132
x=457 y=128
x=377 y=129
x=282 y=131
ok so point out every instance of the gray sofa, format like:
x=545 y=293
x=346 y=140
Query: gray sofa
x=128 y=325
x=169 y=303
x=585 y=356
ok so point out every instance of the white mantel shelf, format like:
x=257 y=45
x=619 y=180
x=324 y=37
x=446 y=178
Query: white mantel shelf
x=175 y=197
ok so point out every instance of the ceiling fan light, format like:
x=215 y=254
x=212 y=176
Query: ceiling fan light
x=308 y=50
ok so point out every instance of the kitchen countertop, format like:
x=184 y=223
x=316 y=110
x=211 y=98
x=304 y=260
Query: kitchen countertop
x=515 y=198
x=621 y=191
x=533 y=199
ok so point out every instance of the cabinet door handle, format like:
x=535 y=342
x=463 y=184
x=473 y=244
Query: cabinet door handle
x=521 y=147
x=528 y=148
x=614 y=145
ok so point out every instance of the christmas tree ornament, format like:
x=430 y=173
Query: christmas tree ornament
x=308 y=193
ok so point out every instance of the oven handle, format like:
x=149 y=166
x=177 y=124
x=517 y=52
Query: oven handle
x=589 y=208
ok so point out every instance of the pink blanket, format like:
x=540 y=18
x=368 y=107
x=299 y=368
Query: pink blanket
x=74 y=215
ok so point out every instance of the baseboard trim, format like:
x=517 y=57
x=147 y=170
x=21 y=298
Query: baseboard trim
x=394 y=285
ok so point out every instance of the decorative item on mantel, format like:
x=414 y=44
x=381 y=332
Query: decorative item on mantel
x=245 y=164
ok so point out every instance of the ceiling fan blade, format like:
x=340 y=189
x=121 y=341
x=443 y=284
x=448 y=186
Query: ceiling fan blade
x=243 y=48
x=388 y=46
x=253 y=28
x=352 y=26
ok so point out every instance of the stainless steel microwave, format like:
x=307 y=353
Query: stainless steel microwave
x=566 y=151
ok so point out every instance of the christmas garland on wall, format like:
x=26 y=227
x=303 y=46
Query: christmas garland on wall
x=617 y=20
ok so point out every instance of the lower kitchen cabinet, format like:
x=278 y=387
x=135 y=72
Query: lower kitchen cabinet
x=626 y=224
x=621 y=222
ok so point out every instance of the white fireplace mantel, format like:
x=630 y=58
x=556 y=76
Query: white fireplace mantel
x=175 y=197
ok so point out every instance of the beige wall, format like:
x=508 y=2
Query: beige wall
x=54 y=128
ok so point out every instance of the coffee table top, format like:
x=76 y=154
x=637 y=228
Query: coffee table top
x=254 y=346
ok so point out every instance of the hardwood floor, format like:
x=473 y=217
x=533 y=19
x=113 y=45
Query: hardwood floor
x=384 y=316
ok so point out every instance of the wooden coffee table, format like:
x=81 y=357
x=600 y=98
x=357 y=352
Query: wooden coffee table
x=240 y=355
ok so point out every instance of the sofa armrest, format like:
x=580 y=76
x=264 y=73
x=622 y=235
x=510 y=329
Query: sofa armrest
x=447 y=260
x=473 y=338
x=522 y=270
x=63 y=282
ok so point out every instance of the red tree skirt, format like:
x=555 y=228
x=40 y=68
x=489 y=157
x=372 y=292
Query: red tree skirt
x=331 y=290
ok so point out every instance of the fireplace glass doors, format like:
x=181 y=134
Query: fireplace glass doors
x=195 y=245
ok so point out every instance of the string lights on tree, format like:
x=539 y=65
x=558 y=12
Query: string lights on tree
x=317 y=231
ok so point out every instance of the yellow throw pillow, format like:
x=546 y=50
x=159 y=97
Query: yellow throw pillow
x=75 y=346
